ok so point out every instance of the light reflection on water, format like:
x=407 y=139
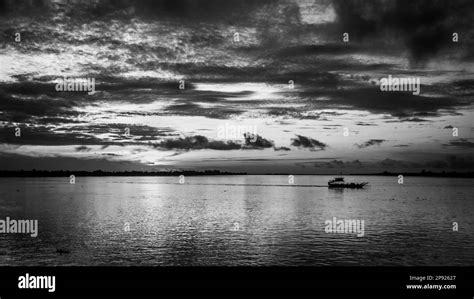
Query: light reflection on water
x=193 y=223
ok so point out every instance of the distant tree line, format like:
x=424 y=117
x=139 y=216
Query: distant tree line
x=66 y=173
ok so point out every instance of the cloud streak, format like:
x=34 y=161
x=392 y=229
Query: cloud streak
x=461 y=142
x=306 y=142
x=371 y=142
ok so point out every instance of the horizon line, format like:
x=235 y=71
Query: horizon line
x=58 y=173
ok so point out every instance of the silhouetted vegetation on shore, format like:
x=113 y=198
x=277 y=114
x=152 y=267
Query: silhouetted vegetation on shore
x=62 y=173
x=450 y=174
x=423 y=173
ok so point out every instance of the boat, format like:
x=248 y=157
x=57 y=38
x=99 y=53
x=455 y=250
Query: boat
x=339 y=182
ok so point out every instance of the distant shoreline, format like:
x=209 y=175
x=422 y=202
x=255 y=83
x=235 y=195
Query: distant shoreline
x=100 y=173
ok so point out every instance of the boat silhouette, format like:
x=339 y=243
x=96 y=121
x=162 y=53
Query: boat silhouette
x=339 y=182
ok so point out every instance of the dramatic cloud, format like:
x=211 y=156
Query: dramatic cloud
x=306 y=142
x=24 y=108
x=196 y=142
x=124 y=132
x=371 y=142
x=139 y=50
x=401 y=104
x=256 y=141
x=195 y=9
x=424 y=26
x=251 y=141
x=94 y=134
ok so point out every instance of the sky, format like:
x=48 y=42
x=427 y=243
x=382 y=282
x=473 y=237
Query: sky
x=267 y=86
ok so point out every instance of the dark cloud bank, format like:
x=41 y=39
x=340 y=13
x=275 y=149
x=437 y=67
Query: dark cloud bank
x=425 y=27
